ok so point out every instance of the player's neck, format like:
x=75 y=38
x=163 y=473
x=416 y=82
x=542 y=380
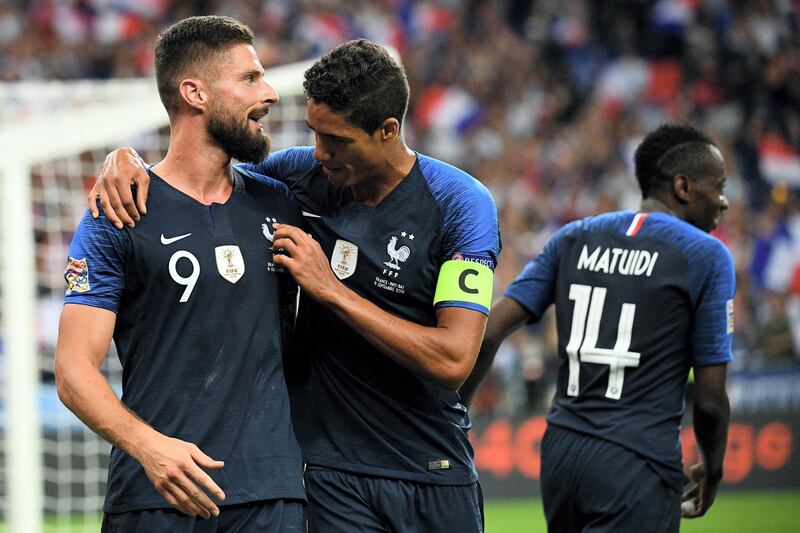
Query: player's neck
x=655 y=205
x=397 y=166
x=197 y=168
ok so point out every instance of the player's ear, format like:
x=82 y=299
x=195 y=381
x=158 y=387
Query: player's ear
x=682 y=188
x=389 y=130
x=194 y=93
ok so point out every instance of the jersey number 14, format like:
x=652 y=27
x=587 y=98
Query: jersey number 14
x=582 y=346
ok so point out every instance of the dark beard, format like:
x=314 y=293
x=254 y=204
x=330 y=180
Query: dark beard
x=236 y=140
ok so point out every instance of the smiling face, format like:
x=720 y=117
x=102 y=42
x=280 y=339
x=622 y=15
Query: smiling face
x=350 y=156
x=240 y=97
x=707 y=202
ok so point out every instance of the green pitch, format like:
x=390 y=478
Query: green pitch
x=732 y=512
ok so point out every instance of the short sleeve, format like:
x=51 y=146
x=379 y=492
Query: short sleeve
x=712 y=331
x=95 y=269
x=534 y=288
x=470 y=245
x=471 y=228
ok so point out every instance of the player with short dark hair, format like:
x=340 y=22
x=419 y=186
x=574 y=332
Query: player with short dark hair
x=195 y=44
x=197 y=308
x=381 y=91
x=396 y=285
x=396 y=289
x=640 y=299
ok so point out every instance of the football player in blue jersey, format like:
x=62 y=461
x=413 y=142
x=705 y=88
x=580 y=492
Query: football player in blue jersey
x=197 y=308
x=396 y=277
x=640 y=299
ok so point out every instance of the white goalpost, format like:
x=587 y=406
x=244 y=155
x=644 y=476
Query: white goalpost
x=54 y=136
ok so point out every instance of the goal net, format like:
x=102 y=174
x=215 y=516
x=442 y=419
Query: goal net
x=54 y=138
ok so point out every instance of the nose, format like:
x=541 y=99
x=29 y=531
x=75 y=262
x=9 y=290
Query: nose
x=321 y=153
x=269 y=95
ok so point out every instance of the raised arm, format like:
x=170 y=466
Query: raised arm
x=123 y=169
x=172 y=465
x=506 y=316
x=710 y=419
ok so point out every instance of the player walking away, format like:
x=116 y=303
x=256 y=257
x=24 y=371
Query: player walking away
x=197 y=308
x=640 y=299
x=396 y=288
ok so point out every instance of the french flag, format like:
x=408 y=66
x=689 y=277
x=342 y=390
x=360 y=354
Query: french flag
x=776 y=256
x=778 y=163
x=447 y=108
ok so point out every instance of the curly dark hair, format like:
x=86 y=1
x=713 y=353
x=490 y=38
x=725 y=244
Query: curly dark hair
x=188 y=45
x=669 y=150
x=360 y=79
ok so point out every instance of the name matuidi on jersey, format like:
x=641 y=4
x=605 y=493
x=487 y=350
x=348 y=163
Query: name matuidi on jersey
x=618 y=261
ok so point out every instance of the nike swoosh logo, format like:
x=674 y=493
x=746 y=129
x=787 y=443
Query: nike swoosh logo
x=311 y=215
x=165 y=240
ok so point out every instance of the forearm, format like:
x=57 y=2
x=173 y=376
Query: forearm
x=445 y=351
x=480 y=370
x=710 y=419
x=84 y=390
x=172 y=466
x=438 y=352
x=506 y=316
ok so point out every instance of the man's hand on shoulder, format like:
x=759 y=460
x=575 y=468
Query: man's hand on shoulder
x=175 y=468
x=122 y=169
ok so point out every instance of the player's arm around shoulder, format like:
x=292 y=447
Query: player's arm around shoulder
x=284 y=165
x=122 y=169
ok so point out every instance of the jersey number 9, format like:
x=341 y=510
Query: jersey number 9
x=188 y=281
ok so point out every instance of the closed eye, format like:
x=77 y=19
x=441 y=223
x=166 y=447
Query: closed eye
x=327 y=137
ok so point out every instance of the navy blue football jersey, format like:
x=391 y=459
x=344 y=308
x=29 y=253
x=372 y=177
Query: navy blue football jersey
x=203 y=315
x=354 y=408
x=640 y=298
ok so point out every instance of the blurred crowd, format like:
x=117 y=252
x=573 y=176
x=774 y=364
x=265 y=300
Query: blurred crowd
x=542 y=100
